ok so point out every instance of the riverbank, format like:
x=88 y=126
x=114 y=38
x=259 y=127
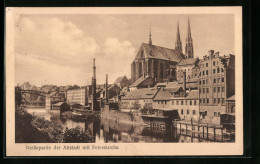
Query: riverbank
x=81 y=116
x=33 y=129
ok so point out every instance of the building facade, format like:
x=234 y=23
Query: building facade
x=53 y=98
x=78 y=96
x=189 y=65
x=216 y=83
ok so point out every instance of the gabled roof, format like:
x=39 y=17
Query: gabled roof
x=153 y=51
x=145 y=93
x=120 y=79
x=166 y=93
x=189 y=61
x=139 y=81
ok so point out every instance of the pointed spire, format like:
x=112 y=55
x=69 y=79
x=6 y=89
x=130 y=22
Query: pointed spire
x=150 y=37
x=189 y=30
x=189 y=43
x=178 y=45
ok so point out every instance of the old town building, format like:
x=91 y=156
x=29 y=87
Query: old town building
x=121 y=82
x=189 y=65
x=54 y=98
x=78 y=96
x=216 y=83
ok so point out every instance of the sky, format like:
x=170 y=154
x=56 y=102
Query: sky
x=59 y=49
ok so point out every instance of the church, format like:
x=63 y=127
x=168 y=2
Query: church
x=159 y=62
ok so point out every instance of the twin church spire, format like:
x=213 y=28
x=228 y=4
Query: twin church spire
x=178 y=45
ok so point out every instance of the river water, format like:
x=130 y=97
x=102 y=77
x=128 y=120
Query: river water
x=110 y=131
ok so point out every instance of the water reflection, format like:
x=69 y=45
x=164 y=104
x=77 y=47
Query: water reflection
x=110 y=131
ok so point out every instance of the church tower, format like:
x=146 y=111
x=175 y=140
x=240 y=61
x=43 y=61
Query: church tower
x=150 y=38
x=178 y=45
x=189 y=44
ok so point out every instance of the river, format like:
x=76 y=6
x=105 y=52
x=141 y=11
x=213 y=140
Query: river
x=110 y=131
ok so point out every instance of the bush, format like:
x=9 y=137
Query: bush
x=76 y=135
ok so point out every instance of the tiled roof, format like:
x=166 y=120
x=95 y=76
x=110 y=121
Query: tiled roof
x=193 y=94
x=165 y=93
x=188 y=61
x=152 y=51
x=119 y=79
x=145 y=93
x=139 y=81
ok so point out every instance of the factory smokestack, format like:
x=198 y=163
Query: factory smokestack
x=94 y=97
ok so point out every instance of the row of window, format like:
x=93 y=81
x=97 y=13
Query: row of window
x=214 y=80
x=215 y=89
x=188 y=112
x=215 y=100
x=187 y=102
x=214 y=63
x=180 y=102
x=214 y=71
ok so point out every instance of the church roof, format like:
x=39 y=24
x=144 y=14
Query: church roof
x=157 y=52
x=188 y=61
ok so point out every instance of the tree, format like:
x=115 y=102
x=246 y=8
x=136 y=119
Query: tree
x=18 y=96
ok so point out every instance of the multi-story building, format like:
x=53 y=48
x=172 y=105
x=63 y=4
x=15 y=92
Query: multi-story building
x=187 y=106
x=189 y=65
x=216 y=84
x=78 y=96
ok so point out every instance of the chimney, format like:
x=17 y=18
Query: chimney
x=184 y=82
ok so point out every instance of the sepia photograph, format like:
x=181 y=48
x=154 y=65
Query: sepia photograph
x=108 y=77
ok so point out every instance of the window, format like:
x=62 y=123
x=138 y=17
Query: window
x=177 y=102
x=207 y=64
x=223 y=89
x=218 y=89
x=206 y=81
x=222 y=79
x=218 y=80
x=214 y=63
x=165 y=102
x=194 y=112
x=200 y=82
x=203 y=90
x=214 y=89
x=181 y=102
x=206 y=113
x=223 y=100
x=200 y=100
x=188 y=112
x=190 y=102
x=214 y=71
x=215 y=114
x=186 y=102
x=203 y=81
x=214 y=80
x=172 y=102
x=218 y=100
x=222 y=70
x=218 y=114
x=218 y=70
x=203 y=100
x=182 y=112
x=207 y=100
x=215 y=100
x=207 y=90
x=207 y=72
x=203 y=73
x=195 y=102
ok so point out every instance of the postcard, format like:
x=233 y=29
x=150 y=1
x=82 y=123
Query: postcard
x=128 y=81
